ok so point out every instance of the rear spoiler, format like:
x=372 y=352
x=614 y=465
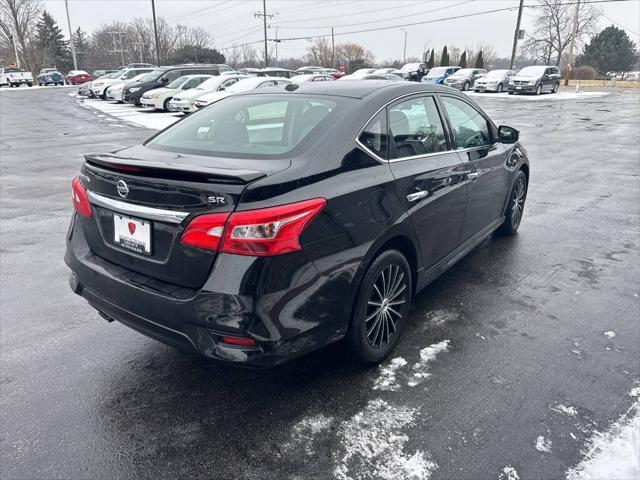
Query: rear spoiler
x=183 y=171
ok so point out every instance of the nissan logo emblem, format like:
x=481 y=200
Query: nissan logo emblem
x=123 y=189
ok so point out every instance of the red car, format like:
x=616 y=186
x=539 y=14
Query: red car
x=76 y=77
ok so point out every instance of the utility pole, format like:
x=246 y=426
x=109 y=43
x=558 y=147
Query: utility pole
x=15 y=50
x=572 y=45
x=333 y=50
x=155 y=31
x=264 y=23
x=71 y=42
x=515 y=36
x=404 y=52
x=277 y=42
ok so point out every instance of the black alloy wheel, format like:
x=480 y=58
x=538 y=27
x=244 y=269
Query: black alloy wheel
x=382 y=307
x=515 y=207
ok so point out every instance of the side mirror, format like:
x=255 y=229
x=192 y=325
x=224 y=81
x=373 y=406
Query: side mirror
x=508 y=134
x=164 y=79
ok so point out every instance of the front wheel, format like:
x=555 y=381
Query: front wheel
x=539 y=90
x=465 y=86
x=555 y=88
x=515 y=205
x=500 y=87
x=30 y=84
x=165 y=105
x=382 y=307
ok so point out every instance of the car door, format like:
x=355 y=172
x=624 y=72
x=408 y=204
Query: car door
x=429 y=175
x=484 y=164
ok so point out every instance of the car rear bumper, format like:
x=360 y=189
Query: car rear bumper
x=196 y=319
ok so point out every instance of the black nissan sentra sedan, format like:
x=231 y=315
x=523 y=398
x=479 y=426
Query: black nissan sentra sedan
x=277 y=221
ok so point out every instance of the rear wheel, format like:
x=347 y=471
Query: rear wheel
x=382 y=307
x=555 y=88
x=515 y=205
x=165 y=105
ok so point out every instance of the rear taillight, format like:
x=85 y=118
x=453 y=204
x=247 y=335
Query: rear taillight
x=80 y=198
x=205 y=231
x=240 y=341
x=264 y=232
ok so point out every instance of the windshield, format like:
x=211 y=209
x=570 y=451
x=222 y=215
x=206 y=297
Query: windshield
x=436 y=72
x=496 y=73
x=153 y=75
x=211 y=83
x=464 y=71
x=253 y=125
x=533 y=71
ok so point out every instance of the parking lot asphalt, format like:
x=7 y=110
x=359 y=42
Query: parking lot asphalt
x=527 y=337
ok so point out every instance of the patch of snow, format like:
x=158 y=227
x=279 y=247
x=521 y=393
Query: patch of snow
x=420 y=370
x=509 y=473
x=387 y=378
x=610 y=334
x=151 y=119
x=613 y=454
x=304 y=433
x=374 y=445
x=440 y=317
x=565 y=410
x=635 y=392
x=543 y=444
x=563 y=95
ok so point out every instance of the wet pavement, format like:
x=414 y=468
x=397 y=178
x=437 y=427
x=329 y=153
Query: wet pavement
x=517 y=330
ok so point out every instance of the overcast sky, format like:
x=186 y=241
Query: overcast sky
x=232 y=21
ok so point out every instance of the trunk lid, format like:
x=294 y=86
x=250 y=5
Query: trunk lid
x=158 y=193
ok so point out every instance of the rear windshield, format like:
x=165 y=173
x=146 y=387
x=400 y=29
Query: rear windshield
x=251 y=126
x=12 y=69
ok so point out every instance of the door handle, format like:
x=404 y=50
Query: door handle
x=412 y=197
x=473 y=176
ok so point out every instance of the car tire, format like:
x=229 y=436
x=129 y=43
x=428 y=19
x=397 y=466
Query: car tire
x=165 y=105
x=538 y=89
x=381 y=309
x=555 y=88
x=465 y=86
x=515 y=205
x=500 y=88
x=511 y=93
x=30 y=84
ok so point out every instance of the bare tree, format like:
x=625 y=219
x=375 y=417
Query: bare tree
x=319 y=52
x=489 y=55
x=355 y=54
x=454 y=54
x=553 y=27
x=18 y=19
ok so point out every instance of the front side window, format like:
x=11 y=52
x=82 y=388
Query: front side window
x=416 y=127
x=253 y=126
x=470 y=128
x=374 y=136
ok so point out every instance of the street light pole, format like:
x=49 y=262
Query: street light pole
x=264 y=22
x=515 y=36
x=404 y=51
x=71 y=42
x=155 y=31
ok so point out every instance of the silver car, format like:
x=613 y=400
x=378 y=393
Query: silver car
x=465 y=78
x=494 y=81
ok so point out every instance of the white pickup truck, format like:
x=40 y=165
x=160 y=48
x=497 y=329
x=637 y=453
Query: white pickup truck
x=14 y=77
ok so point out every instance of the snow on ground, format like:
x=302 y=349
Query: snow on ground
x=387 y=378
x=543 y=444
x=374 y=445
x=564 y=409
x=142 y=117
x=509 y=473
x=610 y=334
x=614 y=454
x=562 y=95
x=305 y=432
x=35 y=87
x=420 y=370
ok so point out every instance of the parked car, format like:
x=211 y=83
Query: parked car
x=15 y=76
x=309 y=69
x=245 y=85
x=162 y=76
x=276 y=72
x=312 y=77
x=414 y=71
x=464 y=78
x=385 y=70
x=100 y=86
x=85 y=89
x=332 y=72
x=100 y=73
x=48 y=76
x=159 y=98
x=275 y=222
x=186 y=101
x=248 y=71
x=437 y=75
x=536 y=79
x=390 y=77
x=114 y=92
x=494 y=81
x=77 y=77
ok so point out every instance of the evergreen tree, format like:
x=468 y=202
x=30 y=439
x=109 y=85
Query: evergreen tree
x=479 y=60
x=51 y=42
x=444 y=59
x=463 y=60
x=83 y=44
x=432 y=61
x=192 y=54
x=611 y=50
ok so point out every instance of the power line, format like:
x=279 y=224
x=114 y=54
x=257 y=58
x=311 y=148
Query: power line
x=621 y=26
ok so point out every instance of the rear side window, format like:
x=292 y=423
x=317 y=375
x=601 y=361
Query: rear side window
x=374 y=136
x=416 y=127
x=470 y=128
x=252 y=126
